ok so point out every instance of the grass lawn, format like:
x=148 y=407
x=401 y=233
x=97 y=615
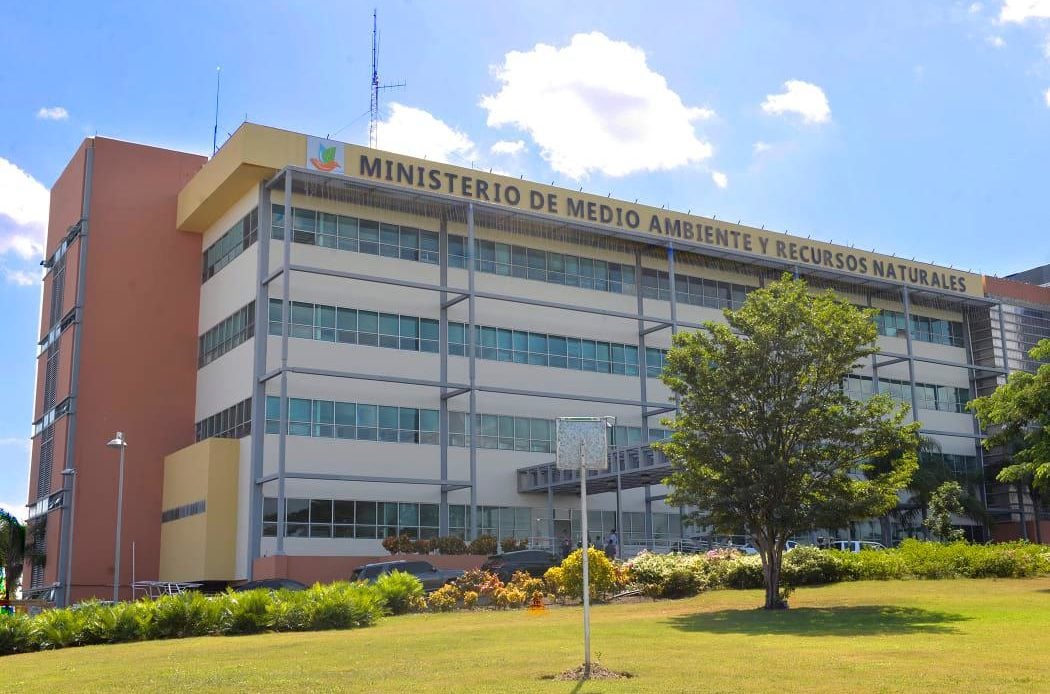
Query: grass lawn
x=930 y=636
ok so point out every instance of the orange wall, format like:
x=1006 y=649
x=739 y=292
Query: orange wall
x=1011 y=289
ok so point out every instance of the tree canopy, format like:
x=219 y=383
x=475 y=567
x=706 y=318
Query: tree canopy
x=1018 y=413
x=765 y=437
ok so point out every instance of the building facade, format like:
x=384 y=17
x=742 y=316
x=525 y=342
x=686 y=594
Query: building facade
x=355 y=344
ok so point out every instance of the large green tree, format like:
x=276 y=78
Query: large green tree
x=766 y=439
x=1018 y=413
x=12 y=551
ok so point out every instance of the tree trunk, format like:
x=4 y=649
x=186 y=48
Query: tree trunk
x=771 y=568
x=884 y=527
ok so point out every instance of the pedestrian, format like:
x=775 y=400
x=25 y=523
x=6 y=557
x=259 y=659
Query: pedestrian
x=612 y=544
x=566 y=545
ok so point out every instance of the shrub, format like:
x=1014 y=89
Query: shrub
x=290 y=612
x=808 y=566
x=187 y=614
x=422 y=546
x=15 y=634
x=470 y=599
x=445 y=598
x=343 y=605
x=449 y=545
x=483 y=544
x=667 y=575
x=871 y=566
x=57 y=629
x=246 y=612
x=398 y=588
x=509 y=544
x=523 y=581
x=509 y=596
x=482 y=582
x=743 y=572
x=601 y=577
x=554 y=579
x=400 y=544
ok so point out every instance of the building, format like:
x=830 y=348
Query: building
x=368 y=409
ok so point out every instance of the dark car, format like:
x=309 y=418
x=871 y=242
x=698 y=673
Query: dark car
x=272 y=584
x=532 y=561
x=430 y=576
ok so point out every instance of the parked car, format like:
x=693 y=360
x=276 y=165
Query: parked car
x=272 y=584
x=429 y=575
x=855 y=546
x=533 y=561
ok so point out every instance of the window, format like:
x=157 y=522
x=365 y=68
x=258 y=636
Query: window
x=232 y=423
x=238 y=239
x=342 y=518
x=348 y=420
x=184 y=511
x=923 y=329
x=928 y=396
x=229 y=333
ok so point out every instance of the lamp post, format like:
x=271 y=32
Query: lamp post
x=70 y=474
x=118 y=442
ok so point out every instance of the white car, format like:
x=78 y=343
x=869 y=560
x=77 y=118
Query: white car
x=855 y=546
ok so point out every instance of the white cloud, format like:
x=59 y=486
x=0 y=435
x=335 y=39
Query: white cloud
x=760 y=147
x=1020 y=11
x=995 y=41
x=975 y=8
x=508 y=147
x=1046 y=48
x=720 y=179
x=596 y=106
x=21 y=278
x=16 y=510
x=806 y=99
x=1046 y=96
x=418 y=133
x=52 y=113
x=23 y=212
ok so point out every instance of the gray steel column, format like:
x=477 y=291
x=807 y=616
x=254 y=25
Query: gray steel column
x=1006 y=367
x=65 y=537
x=286 y=314
x=672 y=288
x=972 y=378
x=262 y=332
x=472 y=365
x=443 y=357
x=642 y=369
x=911 y=354
x=550 y=513
x=874 y=361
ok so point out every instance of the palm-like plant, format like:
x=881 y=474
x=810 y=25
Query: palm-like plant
x=12 y=551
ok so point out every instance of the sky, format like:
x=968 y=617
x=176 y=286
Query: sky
x=919 y=129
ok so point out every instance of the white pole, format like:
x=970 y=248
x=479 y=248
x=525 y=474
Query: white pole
x=120 y=521
x=586 y=577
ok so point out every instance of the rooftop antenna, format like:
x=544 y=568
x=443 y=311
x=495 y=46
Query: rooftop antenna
x=215 y=130
x=373 y=123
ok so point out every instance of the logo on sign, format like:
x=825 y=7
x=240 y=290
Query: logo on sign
x=324 y=155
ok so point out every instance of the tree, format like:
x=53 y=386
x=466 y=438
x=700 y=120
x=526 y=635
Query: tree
x=945 y=501
x=765 y=437
x=12 y=551
x=1018 y=413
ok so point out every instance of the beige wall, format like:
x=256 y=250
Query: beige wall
x=202 y=546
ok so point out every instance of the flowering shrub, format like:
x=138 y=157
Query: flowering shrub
x=483 y=544
x=445 y=598
x=484 y=583
x=553 y=579
x=509 y=596
x=470 y=599
x=449 y=545
x=669 y=575
x=523 y=581
x=601 y=577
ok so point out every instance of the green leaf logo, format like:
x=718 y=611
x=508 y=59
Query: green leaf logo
x=328 y=154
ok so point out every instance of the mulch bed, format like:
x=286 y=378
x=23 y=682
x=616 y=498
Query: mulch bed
x=598 y=672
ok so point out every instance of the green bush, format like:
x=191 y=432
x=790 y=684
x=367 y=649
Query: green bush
x=449 y=545
x=57 y=629
x=483 y=544
x=963 y=560
x=882 y=565
x=290 y=612
x=15 y=634
x=600 y=574
x=809 y=566
x=342 y=606
x=398 y=589
x=669 y=575
x=743 y=572
x=186 y=614
x=246 y=612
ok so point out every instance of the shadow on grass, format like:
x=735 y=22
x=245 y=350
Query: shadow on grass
x=866 y=620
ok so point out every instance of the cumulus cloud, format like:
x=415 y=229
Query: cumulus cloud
x=761 y=147
x=21 y=278
x=23 y=212
x=720 y=179
x=995 y=41
x=508 y=147
x=1046 y=97
x=16 y=510
x=595 y=105
x=1020 y=11
x=419 y=133
x=52 y=113
x=804 y=98
x=975 y=8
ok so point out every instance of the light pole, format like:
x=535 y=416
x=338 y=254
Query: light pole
x=118 y=442
x=71 y=475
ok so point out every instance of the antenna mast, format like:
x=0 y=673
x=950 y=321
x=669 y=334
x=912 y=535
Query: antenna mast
x=373 y=123
x=215 y=130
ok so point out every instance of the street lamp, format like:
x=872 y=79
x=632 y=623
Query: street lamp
x=118 y=442
x=70 y=474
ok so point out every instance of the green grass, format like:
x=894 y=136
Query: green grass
x=967 y=635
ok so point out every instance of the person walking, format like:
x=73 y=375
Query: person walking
x=612 y=545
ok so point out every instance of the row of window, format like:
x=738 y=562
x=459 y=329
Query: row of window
x=378 y=519
x=928 y=396
x=352 y=326
x=238 y=239
x=227 y=334
x=232 y=423
x=184 y=511
x=923 y=329
x=348 y=420
x=698 y=291
x=358 y=235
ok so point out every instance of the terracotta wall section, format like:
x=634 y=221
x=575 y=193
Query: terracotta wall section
x=313 y=569
x=1006 y=532
x=138 y=355
x=1011 y=289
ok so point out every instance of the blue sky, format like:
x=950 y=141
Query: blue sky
x=921 y=129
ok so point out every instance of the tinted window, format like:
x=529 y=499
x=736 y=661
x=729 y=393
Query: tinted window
x=415 y=567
